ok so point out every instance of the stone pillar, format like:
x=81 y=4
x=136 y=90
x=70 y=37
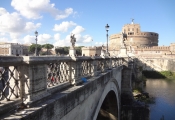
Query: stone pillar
x=94 y=67
x=126 y=86
x=72 y=52
x=14 y=81
x=89 y=68
x=74 y=72
x=123 y=52
x=33 y=78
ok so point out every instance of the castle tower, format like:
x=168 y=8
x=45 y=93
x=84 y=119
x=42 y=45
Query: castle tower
x=135 y=37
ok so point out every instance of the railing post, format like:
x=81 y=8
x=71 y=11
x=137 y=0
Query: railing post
x=94 y=67
x=33 y=77
x=89 y=68
x=110 y=63
x=72 y=68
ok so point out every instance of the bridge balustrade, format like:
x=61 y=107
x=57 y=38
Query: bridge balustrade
x=24 y=80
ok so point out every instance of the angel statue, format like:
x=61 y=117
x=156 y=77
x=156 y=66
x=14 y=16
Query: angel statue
x=123 y=39
x=72 y=40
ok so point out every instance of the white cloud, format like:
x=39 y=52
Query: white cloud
x=64 y=14
x=29 y=39
x=4 y=39
x=44 y=38
x=100 y=43
x=87 y=39
x=57 y=37
x=61 y=43
x=64 y=26
x=2 y=11
x=11 y=22
x=32 y=9
x=78 y=30
x=64 y=42
x=31 y=26
x=14 y=25
x=41 y=39
x=78 y=35
x=2 y=34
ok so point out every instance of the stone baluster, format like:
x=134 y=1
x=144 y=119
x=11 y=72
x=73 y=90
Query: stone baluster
x=110 y=63
x=14 y=81
x=72 y=69
x=33 y=79
x=75 y=72
x=94 y=67
x=89 y=68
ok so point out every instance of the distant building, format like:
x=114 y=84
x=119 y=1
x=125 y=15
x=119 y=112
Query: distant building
x=135 y=37
x=91 y=51
x=13 y=49
x=138 y=43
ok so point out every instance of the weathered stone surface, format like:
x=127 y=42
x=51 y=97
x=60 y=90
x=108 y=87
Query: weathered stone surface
x=75 y=103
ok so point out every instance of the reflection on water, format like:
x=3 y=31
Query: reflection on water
x=164 y=93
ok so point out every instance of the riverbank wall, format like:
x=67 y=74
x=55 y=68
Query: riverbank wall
x=157 y=63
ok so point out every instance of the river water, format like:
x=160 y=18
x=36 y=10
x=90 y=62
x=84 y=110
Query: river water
x=164 y=93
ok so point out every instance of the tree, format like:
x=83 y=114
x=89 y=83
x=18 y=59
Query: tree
x=47 y=46
x=32 y=48
x=62 y=50
x=78 y=50
x=65 y=50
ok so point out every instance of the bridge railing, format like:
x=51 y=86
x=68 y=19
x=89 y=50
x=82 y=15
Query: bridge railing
x=24 y=80
x=11 y=91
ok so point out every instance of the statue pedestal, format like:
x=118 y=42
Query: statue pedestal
x=103 y=53
x=123 y=52
x=72 y=52
x=131 y=55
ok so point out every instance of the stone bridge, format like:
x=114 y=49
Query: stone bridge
x=63 y=88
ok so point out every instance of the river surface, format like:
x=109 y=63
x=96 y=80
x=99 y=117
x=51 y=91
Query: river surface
x=164 y=93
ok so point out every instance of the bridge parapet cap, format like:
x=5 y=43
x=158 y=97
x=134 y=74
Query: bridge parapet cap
x=10 y=60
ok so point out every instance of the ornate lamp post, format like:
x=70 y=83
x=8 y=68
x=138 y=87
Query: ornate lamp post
x=107 y=29
x=36 y=34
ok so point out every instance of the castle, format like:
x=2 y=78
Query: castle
x=138 y=43
x=135 y=37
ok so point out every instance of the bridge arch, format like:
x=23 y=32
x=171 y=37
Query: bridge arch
x=111 y=91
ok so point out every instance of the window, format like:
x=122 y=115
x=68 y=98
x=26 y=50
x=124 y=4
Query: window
x=128 y=29
x=132 y=29
x=130 y=33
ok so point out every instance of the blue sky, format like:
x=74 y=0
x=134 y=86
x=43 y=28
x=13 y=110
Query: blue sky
x=55 y=20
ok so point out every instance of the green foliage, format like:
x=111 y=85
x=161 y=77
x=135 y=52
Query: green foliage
x=62 y=50
x=140 y=68
x=153 y=74
x=167 y=73
x=78 y=50
x=32 y=48
x=47 y=46
x=65 y=50
x=139 y=95
x=159 y=75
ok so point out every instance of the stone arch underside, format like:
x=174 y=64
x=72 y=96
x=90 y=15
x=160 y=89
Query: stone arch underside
x=109 y=103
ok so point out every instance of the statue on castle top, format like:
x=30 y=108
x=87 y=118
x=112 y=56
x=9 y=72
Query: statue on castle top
x=72 y=40
x=132 y=21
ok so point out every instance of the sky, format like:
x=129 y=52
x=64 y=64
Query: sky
x=55 y=20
